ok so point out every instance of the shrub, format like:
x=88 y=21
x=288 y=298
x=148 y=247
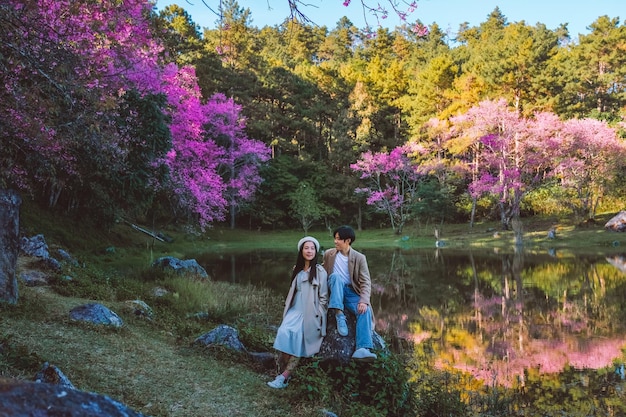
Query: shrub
x=382 y=386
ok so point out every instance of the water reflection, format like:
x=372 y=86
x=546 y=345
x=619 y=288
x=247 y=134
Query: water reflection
x=491 y=314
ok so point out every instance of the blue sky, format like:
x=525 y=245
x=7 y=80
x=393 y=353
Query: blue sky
x=448 y=14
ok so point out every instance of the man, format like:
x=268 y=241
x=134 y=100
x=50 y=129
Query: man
x=350 y=287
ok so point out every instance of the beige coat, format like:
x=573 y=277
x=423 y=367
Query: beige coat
x=316 y=309
x=359 y=272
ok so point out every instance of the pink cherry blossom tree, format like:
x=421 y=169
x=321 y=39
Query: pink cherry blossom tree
x=508 y=162
x=393 y=180
x=242 y=156
x=69 y=66
x=514 y=155
x=588 y=158
x=214 y=165
x=65 y=65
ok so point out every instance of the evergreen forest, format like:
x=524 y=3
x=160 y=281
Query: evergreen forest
x=113 y=110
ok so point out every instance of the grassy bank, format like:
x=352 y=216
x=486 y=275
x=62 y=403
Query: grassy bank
x=152 y=365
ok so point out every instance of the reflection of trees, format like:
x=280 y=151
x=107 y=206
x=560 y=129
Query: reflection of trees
x=404 y=285
x=390 y=284
x=545 y=316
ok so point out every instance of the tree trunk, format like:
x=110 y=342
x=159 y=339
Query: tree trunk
x=473 y=214
x=233 y=212
x=10 y=203
x=359 y=218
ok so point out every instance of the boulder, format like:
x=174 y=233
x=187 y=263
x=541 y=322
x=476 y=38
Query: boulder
x=184 y=267
x=340 y=348
x=139 y=308
x=228 y=337
x=66 y=257
x=34 y=278
x=50 y=374
x=35 y=246
x=26 y=398
x=97 y=314
x=617 y=223
x=222 y=335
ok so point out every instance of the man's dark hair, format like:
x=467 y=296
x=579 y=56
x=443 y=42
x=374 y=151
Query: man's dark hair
x=345 y=232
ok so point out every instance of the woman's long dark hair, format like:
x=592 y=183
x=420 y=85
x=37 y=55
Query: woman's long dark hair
x=300 y=265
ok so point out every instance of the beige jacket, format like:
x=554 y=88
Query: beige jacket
x=359 y=272
x=316 y=310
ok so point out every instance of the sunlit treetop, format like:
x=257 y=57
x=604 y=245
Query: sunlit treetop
x=379 y=10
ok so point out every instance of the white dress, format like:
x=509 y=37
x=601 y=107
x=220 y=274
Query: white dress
x=290 y=335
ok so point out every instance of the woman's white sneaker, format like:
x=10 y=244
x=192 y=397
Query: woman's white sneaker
x=278 y=383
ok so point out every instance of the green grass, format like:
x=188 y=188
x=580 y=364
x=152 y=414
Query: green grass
x=142 y=365
x=152 y=366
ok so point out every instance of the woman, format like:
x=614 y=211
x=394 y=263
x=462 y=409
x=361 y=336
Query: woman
x=303 y=328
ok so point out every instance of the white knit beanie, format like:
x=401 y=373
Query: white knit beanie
x=309 y=239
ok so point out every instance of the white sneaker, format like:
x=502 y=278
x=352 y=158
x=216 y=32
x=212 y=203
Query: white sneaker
x=342 y=324
x=278 y=383
x=364 y=354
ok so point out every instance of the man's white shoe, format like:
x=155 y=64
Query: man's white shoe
x=363 y=354
x=342 y=324
x=278 y=383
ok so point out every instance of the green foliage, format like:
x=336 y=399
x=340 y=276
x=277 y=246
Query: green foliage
x=433 y=202
x=304 y=206
x=439 y=394
x=379 y=389
x=254 y=335
x=280 y=182
x=547 y=200
x=96 y=284
x=493 y=401
x=574 y=392
x=142 y=119
x=382 y=387
x=17 y=359
x=312 y=382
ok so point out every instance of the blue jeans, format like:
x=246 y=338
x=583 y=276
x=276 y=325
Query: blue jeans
x=342 y=296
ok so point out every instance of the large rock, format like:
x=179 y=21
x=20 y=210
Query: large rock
x=9 y=244
x=617 y=223
x=35 y=246
x=340 y=348
x=222 y=335
x=29 y=399
x=180 y=266
x=96 y=314
x=228 y=337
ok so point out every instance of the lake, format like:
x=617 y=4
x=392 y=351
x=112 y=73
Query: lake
x=491 y=313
